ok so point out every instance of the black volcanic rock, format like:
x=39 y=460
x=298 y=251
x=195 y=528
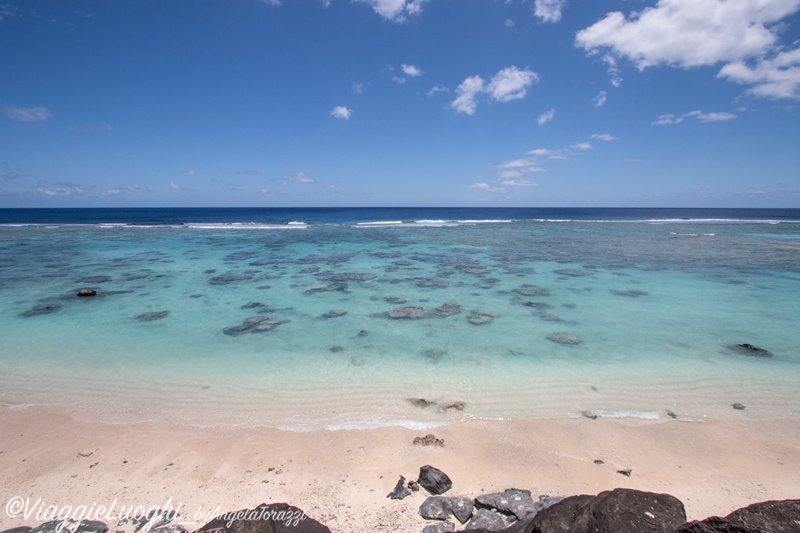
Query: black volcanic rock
x=434 y=480
x=620 y=510
x=765 y=517
x=272 y=518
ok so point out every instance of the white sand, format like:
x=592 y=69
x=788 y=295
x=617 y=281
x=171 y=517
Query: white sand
x=341 y=478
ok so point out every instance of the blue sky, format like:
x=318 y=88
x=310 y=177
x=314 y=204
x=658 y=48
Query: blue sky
x=399 y=103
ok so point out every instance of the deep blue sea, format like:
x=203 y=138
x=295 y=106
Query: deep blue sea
x=338 y=317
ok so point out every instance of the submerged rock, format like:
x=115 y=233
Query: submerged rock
x=337 y=348
x=333 y=313
x=481 y=316
x=252 y=305
x=233 y=277
x=406 y=312
x=150 y=317
x=253 y=324
x=447 y=309
x=432 y=283
x=633 y=293
x=345 y=276
x=573 y=272
x=531 y=291
x=394 y=300
x=564 y=338
x=44 y=309
x=749 y=349
x=95 y=279
x=333 y=287
x=420 y=402
x=435 y=354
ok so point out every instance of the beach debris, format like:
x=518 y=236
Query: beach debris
x=400 y=491
x=434 y=480
x=441 y=508
x=749 y=349
x=671 y=414
x=410 y=312
x=435 y=354
x=44 y=309
x=447 y=309
x=487 y=520
x=422 y=403
x=150 y=317
x=626 y=472
x=599 y=462
x=337 y=348
x=573 y=272
x=254 y=324
x=458 y=406
x=333 y=313
x=739 y=406
x=589 y=414
x=564 y=338
x=83 y=293
x=512 y=501
x=632 y=293
x=95 y=279
x=442 y=527
x=428 y=440
x=87 y=454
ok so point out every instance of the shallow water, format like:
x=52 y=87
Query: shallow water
x=656 y=303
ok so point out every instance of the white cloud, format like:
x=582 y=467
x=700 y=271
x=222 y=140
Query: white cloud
x=743 y=34
x=600 y=99
x=411 y=70
x=438 y=89
x=330 y=187
x=359 y=88
x=669 y=118
x=544 y=152
x=342 y=112
x=520 y=163
x=546 y=117
x=189 y=173
x=509 y=23
x=267 y=191
x=28 y=114
x=300 y=177
x=511 y=83
x=488 y=187
x=603 y=137
x=396 y=10
x=778 y=77
x=518 y=183
x=272 y=2
x=581 y=146
x=398 y=79
x=689 y=32
x=62 y=188
x=672 y=118
x=549 y=10
x=508 y=84
x=469 y=89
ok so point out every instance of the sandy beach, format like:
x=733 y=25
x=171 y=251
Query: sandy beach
x=341 y=478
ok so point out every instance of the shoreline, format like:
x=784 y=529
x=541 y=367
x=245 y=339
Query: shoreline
x=342 y=477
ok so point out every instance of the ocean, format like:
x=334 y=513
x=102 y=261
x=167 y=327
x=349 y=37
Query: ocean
x=340 y=318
